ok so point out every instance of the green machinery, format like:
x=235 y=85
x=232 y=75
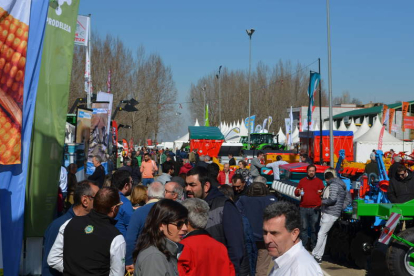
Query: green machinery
x=261 y=141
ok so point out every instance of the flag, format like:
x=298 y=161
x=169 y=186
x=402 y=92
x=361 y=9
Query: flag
x=384 y=114
x=125 y=145
x=13 y=178
x=131 y=144
x=264 y=123
x=287 y=126
x=392 y=113
x=313 y=87
x=270 y=121
x=404 y=108
x=108 y=83
x=206 y=122
x=249 y=122
x=50 y=116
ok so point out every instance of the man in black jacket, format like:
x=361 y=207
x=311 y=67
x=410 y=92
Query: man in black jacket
x=225 y=223
x=392 y=171
x=99 y=173
x=401 y=188
x=91 y=245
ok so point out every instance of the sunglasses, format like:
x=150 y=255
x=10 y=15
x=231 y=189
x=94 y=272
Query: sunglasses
x=180 y=224
x=401 y=174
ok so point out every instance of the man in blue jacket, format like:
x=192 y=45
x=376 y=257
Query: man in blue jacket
x=83 y=203
x=122 y=181
x=225 y=223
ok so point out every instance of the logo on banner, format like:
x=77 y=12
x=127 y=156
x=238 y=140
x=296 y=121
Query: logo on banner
x=60 y=4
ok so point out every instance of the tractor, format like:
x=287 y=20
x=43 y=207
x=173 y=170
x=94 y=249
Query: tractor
x=261 y=141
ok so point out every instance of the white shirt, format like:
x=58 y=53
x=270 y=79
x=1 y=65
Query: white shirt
x=275 y=168
x=296 y=261
x=63 y=180
x=117 y=252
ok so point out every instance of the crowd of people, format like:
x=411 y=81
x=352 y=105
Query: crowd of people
x=146 y=218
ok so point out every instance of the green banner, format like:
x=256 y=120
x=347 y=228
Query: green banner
x=50 y=117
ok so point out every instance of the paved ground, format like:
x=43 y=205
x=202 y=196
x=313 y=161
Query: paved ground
x=330 y=269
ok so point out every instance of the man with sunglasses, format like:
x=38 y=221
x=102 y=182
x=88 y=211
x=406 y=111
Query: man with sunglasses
x=91 y=245
x=401 y=188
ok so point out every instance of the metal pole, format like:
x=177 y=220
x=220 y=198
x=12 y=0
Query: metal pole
x=320 y=116
x=308 y=122
x=249 y=33
x=204 y=92
x=331 y=142
x=219 y=83
x=89 y=78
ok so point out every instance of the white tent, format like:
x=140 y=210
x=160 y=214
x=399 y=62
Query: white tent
x=352 y=127
x=196 y=123
x=184 y=139
x=295 y=136
x=243 y=129
x=362 y=129
x=342 y=127
x=316 y=127
x=364 y=144
x=282 y=136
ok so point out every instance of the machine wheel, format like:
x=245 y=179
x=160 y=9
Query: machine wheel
x=398 y=255
x=361 y=240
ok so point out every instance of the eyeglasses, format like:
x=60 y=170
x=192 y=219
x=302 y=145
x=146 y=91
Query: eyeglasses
x=401 y=174
x=180 y=224
x=171 y=192
x=91 y=197
x=119 y=204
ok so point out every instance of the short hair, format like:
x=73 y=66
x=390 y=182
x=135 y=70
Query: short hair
x=238 y=177
x=202 y=173
x=98 y=158
x=146 y=154
x=328 y=175
x=213 y=170
x=401 y=168
x=167 y=166
x=311 y=166
x=197 y=212
x=134 y=162
x=331 y=170
x=286 y=209
x=260 y=179
x=259 y=153
x=202 y=157
x=178 y=189
x=156 y=190
x=139 y=195
x=243 y=162
x=126 y=161
x=207 y=158
x=279 y=157
x=120 y=178
x=396 y=159
x=227 y=190
x=107 y=181
x=82 y=188
x=258 y=189
x=230 y=154
x=305 y=155
x=105 y=199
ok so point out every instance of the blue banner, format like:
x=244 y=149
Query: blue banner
x=249 y=122
x=313 y=87
x=13 y=177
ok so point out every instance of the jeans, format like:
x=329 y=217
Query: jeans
x=309 y=218
x=326 y=224
x=146 y=181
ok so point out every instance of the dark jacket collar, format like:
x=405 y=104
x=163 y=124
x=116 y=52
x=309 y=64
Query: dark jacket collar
x=213 y=193
x=196 y=233
x=95 y=215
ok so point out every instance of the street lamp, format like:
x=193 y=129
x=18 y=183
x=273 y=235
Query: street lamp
x=204 y=92
x=218 y=78
x=331 y=142
x=249 y=33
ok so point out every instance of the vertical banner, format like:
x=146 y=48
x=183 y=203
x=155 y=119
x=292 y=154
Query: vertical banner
x=288 y=131
x=82 y=30
x=381 y=137
x=131 y=145
x=114 y=134
x=13 y=178
x=392 y=113
x=106 y=97
x=270 y=121
x=384 y=114
x=206 y=121
x=50 y=116
x=404 y=108
x=83 y=125
x=108 y=83
x=312 y=89
x=249 y=122
x=125 y=145
x=99 y=136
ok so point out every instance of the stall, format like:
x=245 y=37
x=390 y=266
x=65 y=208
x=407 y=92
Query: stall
x=207 y=140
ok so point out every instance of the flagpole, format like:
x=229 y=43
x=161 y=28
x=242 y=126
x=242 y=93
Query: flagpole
x=331 y=142
x=320 y=116
x=309 y=107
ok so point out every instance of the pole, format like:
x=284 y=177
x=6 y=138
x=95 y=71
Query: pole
x=331 y=142
x=88 y=75
x=250 y=90
x=320 y=116
x=308 y=120
x=219 y=83
x=204 y=92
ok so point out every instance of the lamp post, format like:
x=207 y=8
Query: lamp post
x=219 y=83
x=204 y=93
x=249 y=33
x=331 y=142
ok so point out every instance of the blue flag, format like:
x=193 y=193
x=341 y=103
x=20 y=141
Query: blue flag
x=313 y=87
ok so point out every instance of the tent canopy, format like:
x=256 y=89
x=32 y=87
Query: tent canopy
x=204 y=132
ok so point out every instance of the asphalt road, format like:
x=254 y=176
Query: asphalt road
x=330 y=269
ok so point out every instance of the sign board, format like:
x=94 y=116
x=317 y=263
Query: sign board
x=409 y=122
x=389 y=228
x=82 y=30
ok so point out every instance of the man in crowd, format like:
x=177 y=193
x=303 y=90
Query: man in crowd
x=275 y=167
x=239 y=186
x=225 y=223
x=401 y=188
x=148 y=169
x=99 y=174
x=85 y=192
x=167 y=172
x=372 y=167
x=304 y=158
x=122 y=181
x=136 y=224
x=91 y=245
x=213 y=171
x=225 y=175
x=392 y=171
x=207 y=159
x=202 y=162
x=332 y=206
x=174 y=191
x=309 y=189
x=232 y=161
x=199 y=246
x=256 y=164
x=281 y=230
x=193 y=157
x=126 y=165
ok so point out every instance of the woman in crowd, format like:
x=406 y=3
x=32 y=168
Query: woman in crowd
x=139 y=196
x=244 y=172
x=157 y=248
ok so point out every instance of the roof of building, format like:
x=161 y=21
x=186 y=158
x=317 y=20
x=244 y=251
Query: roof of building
x=367 y=111
x=205 y=132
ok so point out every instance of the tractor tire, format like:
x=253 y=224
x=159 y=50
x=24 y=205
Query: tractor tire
x=398 y=255
x=359 y=255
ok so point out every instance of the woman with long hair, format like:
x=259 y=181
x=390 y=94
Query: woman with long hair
x=157 y=248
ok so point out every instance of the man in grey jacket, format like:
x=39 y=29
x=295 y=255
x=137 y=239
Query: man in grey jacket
x=333 y=200
x=255 y=166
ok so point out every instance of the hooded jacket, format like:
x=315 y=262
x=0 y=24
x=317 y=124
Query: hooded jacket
x=185 y=168
x=333 y=205
x=400 y=191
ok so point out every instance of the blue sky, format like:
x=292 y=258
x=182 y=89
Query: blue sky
x=372 y=41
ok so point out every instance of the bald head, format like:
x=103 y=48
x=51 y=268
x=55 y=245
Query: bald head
x=173 y=191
